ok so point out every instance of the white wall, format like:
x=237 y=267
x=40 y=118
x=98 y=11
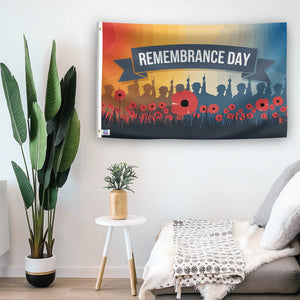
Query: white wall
x=177 y=178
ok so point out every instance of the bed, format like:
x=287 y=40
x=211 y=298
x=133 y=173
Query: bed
x=271 y=275
x=268 y=247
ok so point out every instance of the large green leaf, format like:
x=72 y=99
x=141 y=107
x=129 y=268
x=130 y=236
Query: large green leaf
x=62 y=177
x=68 y=90
x=49 y=194
x=24 y=185
x=52 y=124
x=38 y=137
x=30 y=87
x=53 y=94
x=13 y=100
x=45 y=172
x=66 y=152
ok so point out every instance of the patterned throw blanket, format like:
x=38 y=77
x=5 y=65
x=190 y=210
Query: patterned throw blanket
x=206 y=253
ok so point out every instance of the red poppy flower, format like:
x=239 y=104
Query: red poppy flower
x=262 y=104
x=275 y=115
x=110 y=106
x=143 y=107
x=128 y=108
x=158 y=115
x=249 y=106
x=226 y=111
x=117 y=110
x=280 y=120
x=196 y=115
x=242 y=117
x=132 y=114
x=166 y=111
x=283 y=109
x=231 y=106
x=179 y=117
x=219 y=118
x=249 y=115
x=103 y=105
x=213 y=109
x=173 y=110
x=272 y=107
x=162 y=105
x=152 y=106
x=230 y=116
x=184 y=102
x=277 y=101
x=203 y=108
x=254 y=110
x=119 y=95
x=169 y=117
x=132 y=105
x=125 y=118
x=240 y=110
x=264 y=116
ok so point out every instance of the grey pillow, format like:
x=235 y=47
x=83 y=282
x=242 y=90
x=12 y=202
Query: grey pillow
x=263 y=214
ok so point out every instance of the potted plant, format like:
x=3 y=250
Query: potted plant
x=121 y=178
x=53 y=144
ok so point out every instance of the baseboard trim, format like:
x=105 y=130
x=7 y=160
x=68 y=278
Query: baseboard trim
x=75 y=272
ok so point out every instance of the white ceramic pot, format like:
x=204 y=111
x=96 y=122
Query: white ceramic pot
x=40 y=272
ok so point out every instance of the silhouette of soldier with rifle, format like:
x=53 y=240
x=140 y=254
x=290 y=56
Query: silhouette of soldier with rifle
x=163 y=90
x=149 y=93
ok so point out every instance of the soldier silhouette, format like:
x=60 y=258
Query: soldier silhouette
x=133 y=92
x=241 y=99
x=107 y=96
x=196 y=86
x=277 y=90
x=220 y=98
x=163 y=90
x=260 y=94
x=179 y=87
x=240 y=96
x=149 y=93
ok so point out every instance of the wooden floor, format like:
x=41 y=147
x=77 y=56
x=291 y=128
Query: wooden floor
x=68 y=288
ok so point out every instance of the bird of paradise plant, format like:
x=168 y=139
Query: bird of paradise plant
x=53 y=143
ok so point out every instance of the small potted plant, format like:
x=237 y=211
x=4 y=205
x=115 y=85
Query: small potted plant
x=121 y=178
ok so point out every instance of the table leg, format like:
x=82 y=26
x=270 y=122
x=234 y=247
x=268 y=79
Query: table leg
x=104 y=258
x=130 y=260
x=135 y=277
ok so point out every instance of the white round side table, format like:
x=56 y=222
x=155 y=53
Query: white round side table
x=126 y=223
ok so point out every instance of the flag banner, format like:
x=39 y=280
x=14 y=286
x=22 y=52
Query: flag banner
x=192 y=81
